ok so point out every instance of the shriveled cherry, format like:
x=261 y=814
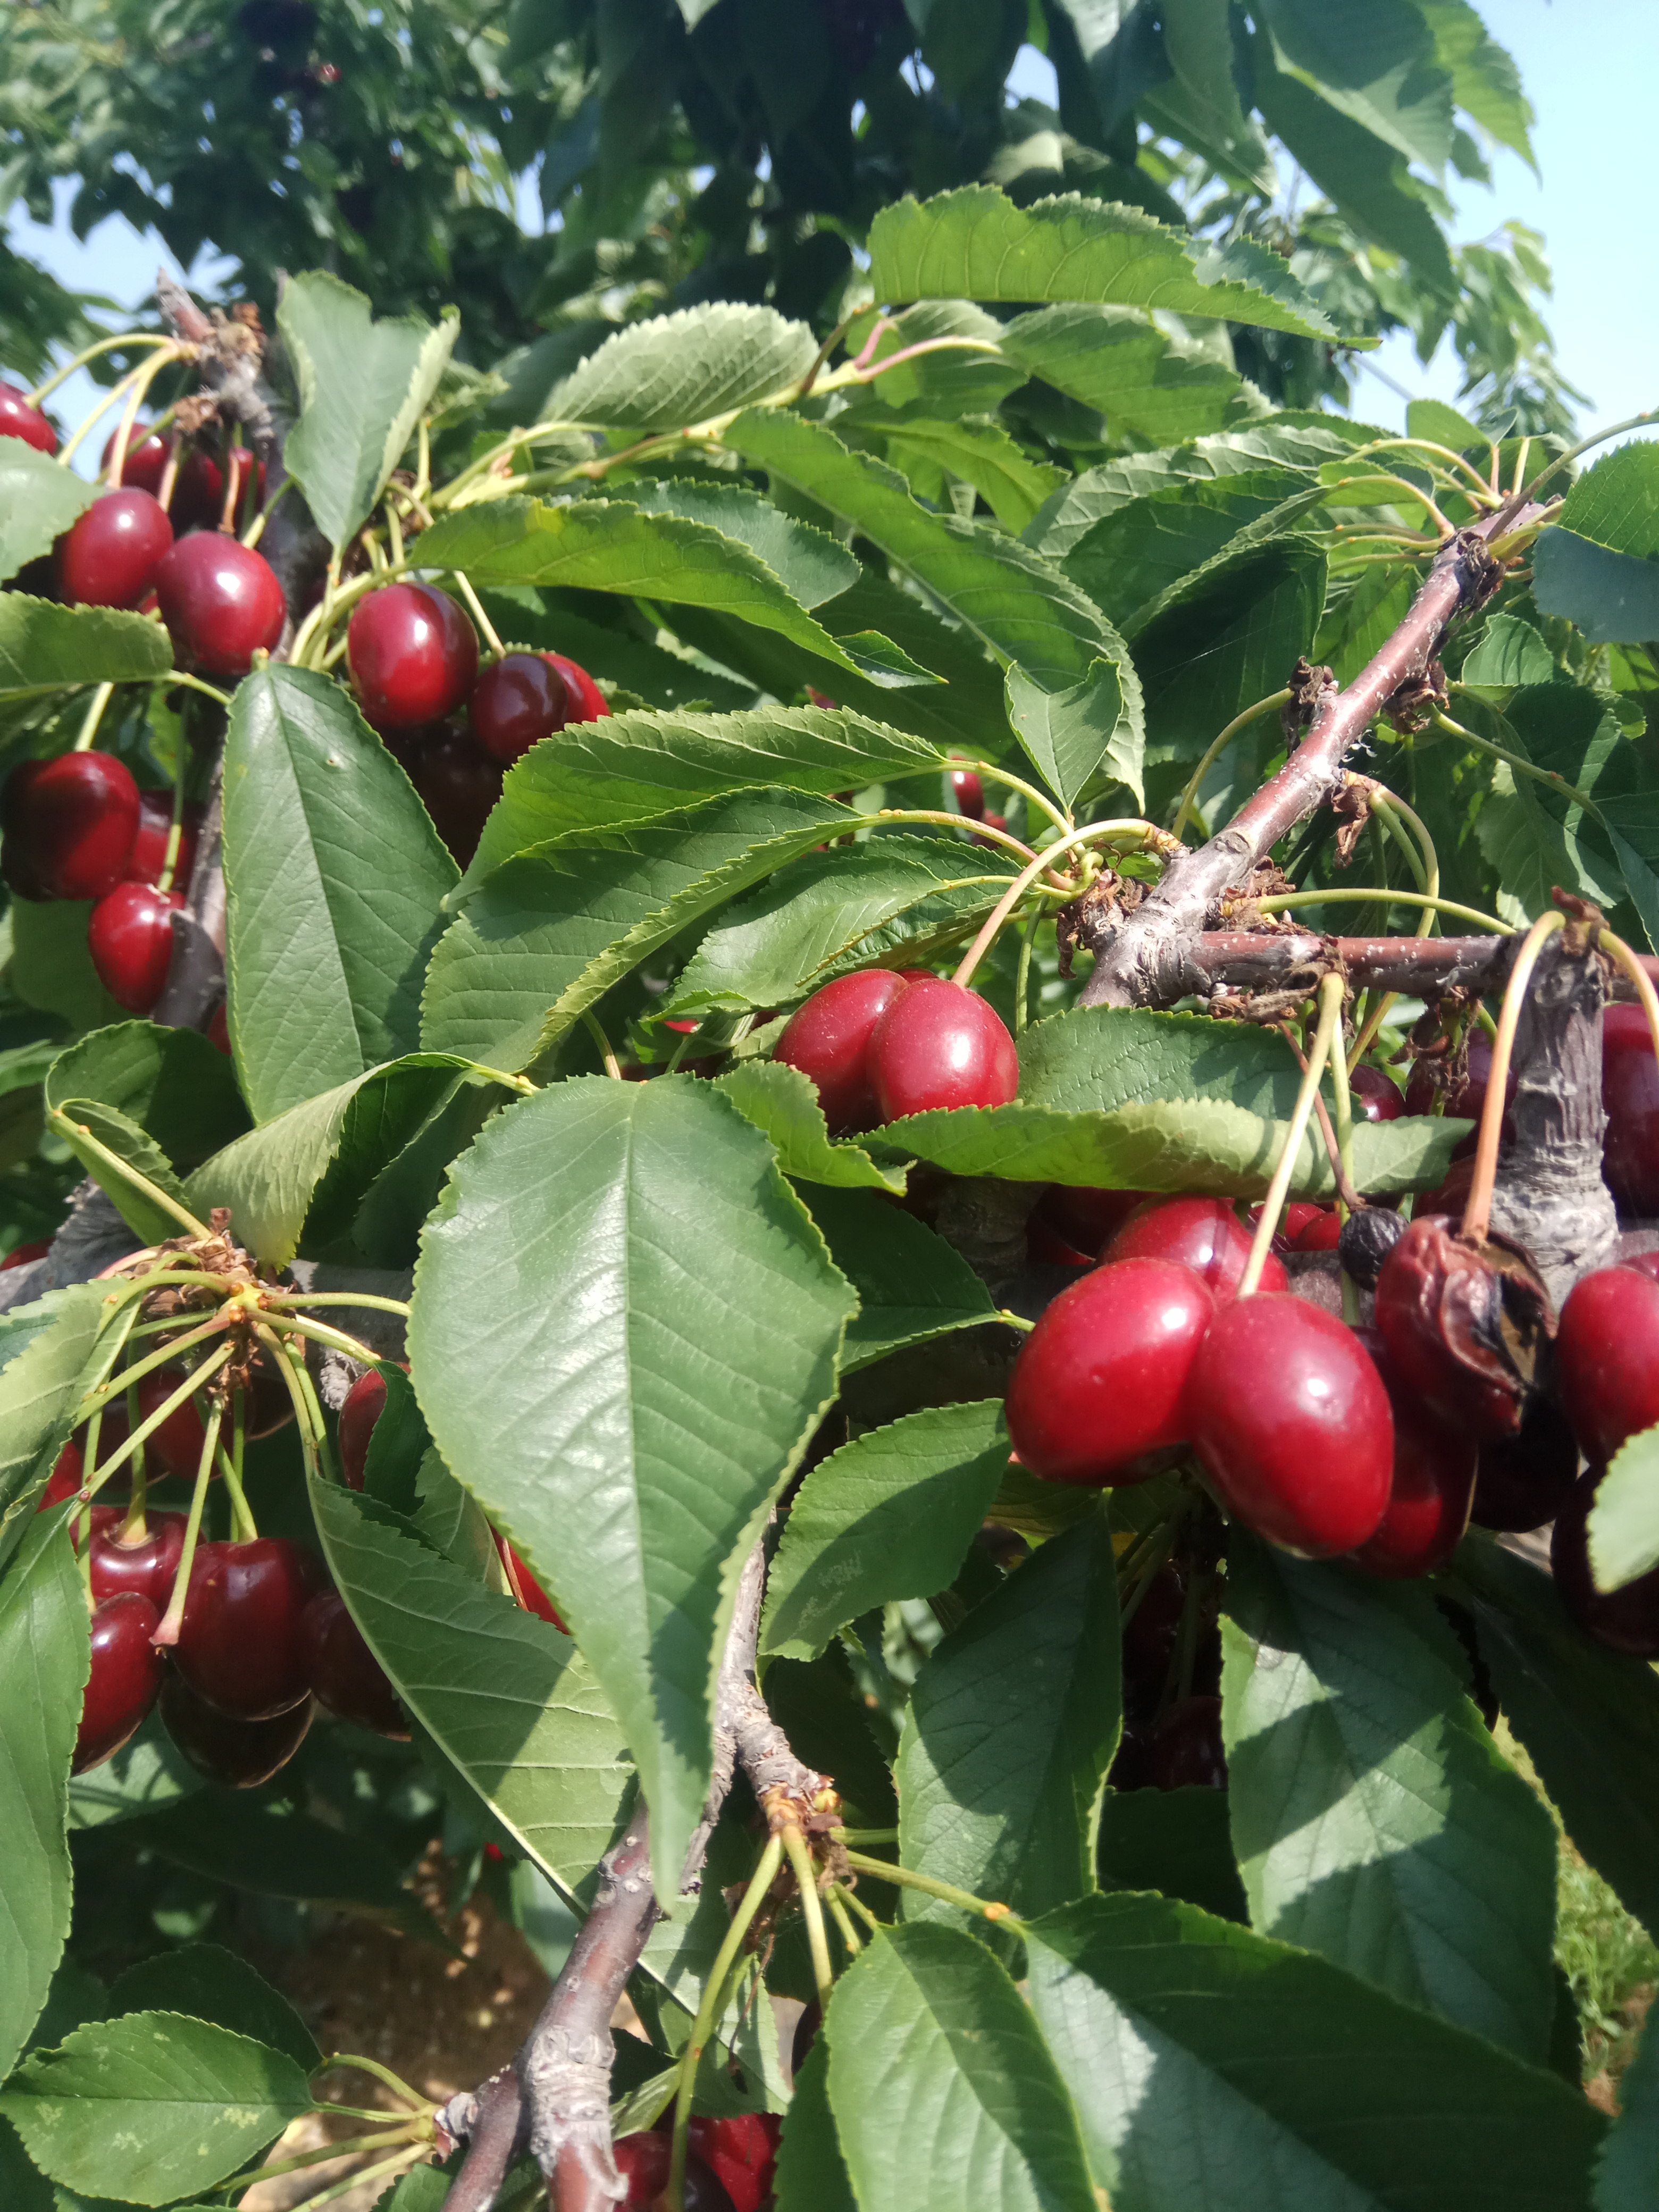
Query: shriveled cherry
x=20 y=418
x=742 y=2151
x=79 y=816
x=1625 y=1619
x=109 y=555
x=587 y=700
x=126 y=1674
x=176 y=1446
x=1097 y=1394
x=516 y=703
x=130 y=937
x=1606 y=1352
x=239 y=1645
x=941 y=1045
x=235 y=1753
x=1377 y=1095
x=1463 y=1321
x=147 y=453
x=458 y=787
x=412 y=654
x=1630 y=1092
x=828 y=1039
x=1522 y=1481
x=968 y=792
x=1434 y=1472
x=1292 y=1424
x=1203 y=1234
x=1187 y=1753
x=1467 y=1101
x=364 y=1403
x=221 y=601
x=149 y=1565
x=345 y=1677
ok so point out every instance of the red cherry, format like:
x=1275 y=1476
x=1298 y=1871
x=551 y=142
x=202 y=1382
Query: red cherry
x=642 y=2160
x=1630 y=1092
x=149 y=1566
x=79 y=814
x=21 y=1254
x=68 y=1474
x=364 y=1403
x=742 y=2151
x=1625 y=1619
x=1319 y=1235
x=149 y=847
x=147 y=453
x=968 y=792
x=237 y=1755
x=828 y=1039
x=458 y=788
x=198 y=495
x=516 y=703
x=126 y=1674
x=1293 y=1218
x=412 y=654
x=1646 y=1263
x=941 y=1045
x=1377 y=1095
x=20 y=418
x=130 y=937
x=1187 y=1753
x=587 y=700
x=1434 y=1468
x=346 y=1679
x=1203 y=1234
x=525 y=1588
x=1467 y=1101
x=1520 y=1480
x=239 y=1644
x=1046 y=1247
x=221 y=601
x=1292 y=1424
x=176 y=1446
x=109 y=556
x=1099 y=1385
x=1087 y=1218
x=1607 y=1353
x=218 y=1029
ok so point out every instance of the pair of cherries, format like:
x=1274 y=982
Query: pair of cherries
x=883 y=1043
x=220 y=599
x=730 y=2167
x=198 y=498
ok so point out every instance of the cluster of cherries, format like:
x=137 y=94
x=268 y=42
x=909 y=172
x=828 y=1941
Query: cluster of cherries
x=884 y=1043
x=729 y=2169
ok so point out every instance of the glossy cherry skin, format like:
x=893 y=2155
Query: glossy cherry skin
x=1630 y=1092
x=1319 y=1235
x=1087 y=1218
x=236 y=1754
x=1292 y=1424
x=1625 y=1619
x=365 y=1402
x=1522 y=1481
x=1646 y=1263
x=1203 y=1234
x=1098 y=1391
x=221 y=601
x=110 y=555
x=1434 y=1471
x=516 y=703
x=176 y=1446
x=149 y=1566
x=149 y=847
x=345 y=1677
x=458 y=787
x=741 y=2151
x=18 y=419
x=412 y=654
x=1187 y=1753
x=198 y=497
x=643 y=2160
x=587 y=700
x=130 y=937
x=828 y=1039
x=1375 y=1095
x=80 y=817
x=1294 y=1216
x=126 y=1674
x=1607 y=1355
x=147 y=454
x=968 y=792
x=239 y=1645
x=941 y=1045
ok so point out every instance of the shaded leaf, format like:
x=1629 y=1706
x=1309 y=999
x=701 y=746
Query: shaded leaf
x=810 y=2175
x=1128 y=559
x=1079 y=735
x=1107 y=1056
x=1485 y=83
x=1142 y=379
x=1176 y=1841
x=1224 y=637
x=45 y=1348
x=1376 y=64
x=1627 y=2175
x=808 y=561
x=1509 y=651
x=210 y=1983
x=911 y=1284
x=1624 y=1522
x=81 y=1123
x=983 y=453
x=39 y=500
x=1613 y=598
x=173 y=1084
x=783 y=1104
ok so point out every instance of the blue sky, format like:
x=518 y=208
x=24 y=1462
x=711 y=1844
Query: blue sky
x=1591 y=67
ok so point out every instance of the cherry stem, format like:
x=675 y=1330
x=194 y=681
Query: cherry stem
x=94 y=714
x=864 y=1835
x=711 y=2008
x=1330 y=1012
x=176 y=825
x=1145 y=1575
x=167 y=1634
x=194 y=683
x=849 y=1935
x=139 y=1436
x=812 y=1905
x=1480 y=490
x=479 y=614
x=230 y=1465
x=1045 y=805
x=1217 y=747
x=1477 y=1214
x=135 y=1528
x=1347 y=1197
x=608 y=1058
x=117 y=392
x=1002 y=837
x=907 y=1878
x=851 y=1897
x=321 y=2156
x=302 y=1298
x=1517 y=762
x=1136 y=831
x=395 y=2082
x=91 y=353
x=321 y=1333
x=83 y=1139
x=362 y=2174
x=98 y=1395
x=1363 y=895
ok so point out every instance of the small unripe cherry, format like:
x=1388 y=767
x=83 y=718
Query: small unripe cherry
x=109 y=555
x=20 y=418
x=828 y=1039
x=940 y=1046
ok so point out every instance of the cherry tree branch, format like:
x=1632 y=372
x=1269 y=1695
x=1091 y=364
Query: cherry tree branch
x=1427 y=967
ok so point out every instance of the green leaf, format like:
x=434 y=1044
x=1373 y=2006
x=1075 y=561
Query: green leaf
x=975 y=244
x=808 y=561
x=1077 y=734
x=1212 y=2069
x=155 y=2105
x=83 y=1120
x=911 y=1284
x=1011 y=1725
x=1485 y=83
x=624 y=1330
x=942 y=2092
x=1624 y=1522
x=783 y=1104
x=545 y=936
x=1224 y=637
x=550 y=622
x=612 y=545
x=213 y=1984
x=811 y=2175
x=1533 y=836
x=50 y=967
x=45 y=1659
x=981 y=452
x=890 y=1514
x=1108 y=1056
x=1615 y=504
x=1510 y=653
x=1173 y=1840
x=45 y=647
x=510 y=1702
x=333 y=877
x=145 y=1775
x=1627 y=2176
x=1277 y=443
x=1376 y=64
x=674 y=370
x=172 y=1083
x=1613 y=598
x=1128 y=559
x=45 y=1348
x=772 y=947
x=363 y=386
x=1143 y=381
x=1375 y=1821
x=1588 y=1719
x=39 y=500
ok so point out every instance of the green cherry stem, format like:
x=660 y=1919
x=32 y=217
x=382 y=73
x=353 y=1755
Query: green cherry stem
x=167 y=1634
x=301 y=1299
x=1128 y=831
x=139 y=1436
x=849 y=1935
x=812 y=1905
x=1330 y=1012
x=715 y=1997
x=94 y=714
x=907 y=1878
x=100 y=1395
x=1359 y=894
x=80 y=1139
x=395 y=2082
x=122 y=338
x=321 y=1333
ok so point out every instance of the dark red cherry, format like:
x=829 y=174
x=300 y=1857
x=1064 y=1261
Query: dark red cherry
x=126 y=1674
x=1203 y=1234
x=525 y=1588
x=1625 y=1619
x=1377 y=1095
x=20 y=418
x=176 y=1446
x=741 y=2151
x=940 y=1045
x=1293 y=1218
x=1087 y=1218
x=218 y=1029
x=587 y=700
x=237 y=1755
x=642 y=2160
x=1097 y=1394
x=412 y=654
x=130 y=937
x=1520 y=1480
x=458 y=787
x=22 y=1255
x=68 y=1474
x=147 y=453
x=1630 y=1092
x=199 y=496
x=1607 y=1354
x=221 y=601
x=968 y=792
x=346 y=1679
x=990 y=822
x=1467 y=1101
x=365 y=1402
x=828 y=1039
x=1434 y=1468
x=147 y=1566
x=1292 y=1424
x=1319 y=1235
x=239 y=1645
x=149 y=847
x=516 y=703
x=80 y=817
x=1463 y=1323
x=110 y=555
x=1187 y=1753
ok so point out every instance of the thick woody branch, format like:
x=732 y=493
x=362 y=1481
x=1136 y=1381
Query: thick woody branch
x=1425 y=967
